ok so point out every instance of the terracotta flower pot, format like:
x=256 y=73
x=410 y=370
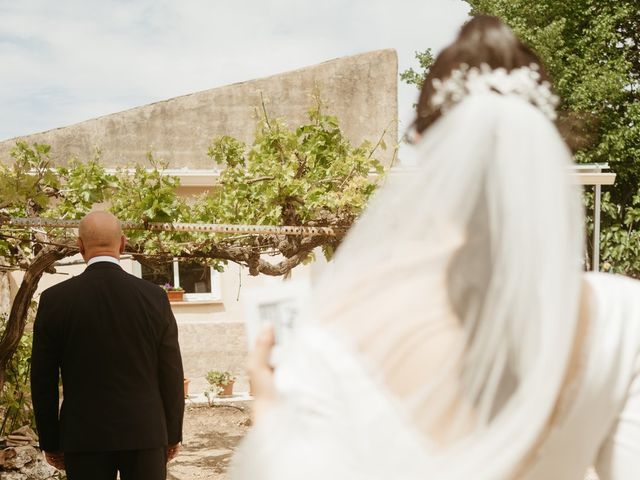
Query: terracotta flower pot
x=227 y=390
x=175 y=295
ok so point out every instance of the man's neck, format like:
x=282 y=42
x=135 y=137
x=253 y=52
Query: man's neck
x=103 y=258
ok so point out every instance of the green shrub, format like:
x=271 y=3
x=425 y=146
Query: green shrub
x=16 y=409
x=220 y=378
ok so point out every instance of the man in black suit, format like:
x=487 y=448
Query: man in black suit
x=114 y=340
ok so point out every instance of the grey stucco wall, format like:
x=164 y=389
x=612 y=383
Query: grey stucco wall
x=361 y=90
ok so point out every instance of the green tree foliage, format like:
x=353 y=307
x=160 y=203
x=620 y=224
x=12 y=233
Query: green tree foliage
x=15 y=397
x=620 y=237
x=310 y=175
x=413 y=77
x=30 y=187
x=591 y=49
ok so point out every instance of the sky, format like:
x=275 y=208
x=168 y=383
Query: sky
x=66 y=61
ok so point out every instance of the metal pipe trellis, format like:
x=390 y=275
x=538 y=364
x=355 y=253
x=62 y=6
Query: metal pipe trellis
x=184 y=227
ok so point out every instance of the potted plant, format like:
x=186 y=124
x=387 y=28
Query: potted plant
x=175 y=294
x=222 y=382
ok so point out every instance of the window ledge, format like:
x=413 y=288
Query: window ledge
x=198 y=302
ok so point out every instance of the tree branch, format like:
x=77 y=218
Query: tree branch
x=20 y=308
x=260 y=179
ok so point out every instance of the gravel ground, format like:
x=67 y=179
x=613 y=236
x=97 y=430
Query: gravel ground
x=210 y=435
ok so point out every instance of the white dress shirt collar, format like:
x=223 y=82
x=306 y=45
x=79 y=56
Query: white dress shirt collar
x=103 y=258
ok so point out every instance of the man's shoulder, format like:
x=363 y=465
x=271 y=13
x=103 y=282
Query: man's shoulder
x=61 y=287
x=75 y=285
x=143 y=284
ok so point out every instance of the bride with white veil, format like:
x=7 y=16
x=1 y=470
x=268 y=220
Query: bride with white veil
x=455 y=335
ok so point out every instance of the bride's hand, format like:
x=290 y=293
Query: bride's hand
x=261 y=374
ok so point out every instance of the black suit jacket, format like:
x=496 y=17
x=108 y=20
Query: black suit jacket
x=114 y=339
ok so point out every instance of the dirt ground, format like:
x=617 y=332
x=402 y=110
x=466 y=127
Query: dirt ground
x=210 y=435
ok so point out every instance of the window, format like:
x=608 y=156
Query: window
x=200 y=282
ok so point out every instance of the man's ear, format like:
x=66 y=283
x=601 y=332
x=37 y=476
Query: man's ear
x=80 y=245
x=123 y=242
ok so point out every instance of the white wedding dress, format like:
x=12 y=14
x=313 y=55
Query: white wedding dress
x=455 y=335
x=336 y=422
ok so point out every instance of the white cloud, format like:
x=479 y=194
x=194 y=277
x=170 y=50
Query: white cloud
x=67 y=61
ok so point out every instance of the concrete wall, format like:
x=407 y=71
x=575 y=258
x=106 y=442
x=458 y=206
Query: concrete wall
x=361 y=90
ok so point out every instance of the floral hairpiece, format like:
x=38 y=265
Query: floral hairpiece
x=523 y=82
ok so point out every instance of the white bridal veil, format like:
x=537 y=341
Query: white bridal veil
x=459 y=285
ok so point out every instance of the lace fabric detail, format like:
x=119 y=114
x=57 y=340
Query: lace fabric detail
x=523 y=82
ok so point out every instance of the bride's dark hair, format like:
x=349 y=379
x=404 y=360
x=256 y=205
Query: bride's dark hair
x=482 y=40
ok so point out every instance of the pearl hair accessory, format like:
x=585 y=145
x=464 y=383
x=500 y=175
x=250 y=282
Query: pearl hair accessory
x=523 y=82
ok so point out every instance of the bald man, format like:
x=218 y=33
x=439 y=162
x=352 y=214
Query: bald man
x=114 y=340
